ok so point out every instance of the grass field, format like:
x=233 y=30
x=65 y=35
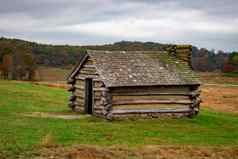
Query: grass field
x=25 y=135
x=231 y=74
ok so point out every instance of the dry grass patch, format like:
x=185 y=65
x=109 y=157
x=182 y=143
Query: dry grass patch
x=217 y=78
x=220 y=98
x=48 y=140
x=144 y=152
x=59 y=84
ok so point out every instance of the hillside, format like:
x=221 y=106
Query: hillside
x=46 y=55
x=65 y=55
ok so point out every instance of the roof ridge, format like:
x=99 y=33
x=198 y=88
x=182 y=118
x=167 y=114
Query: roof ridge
x=127 y=51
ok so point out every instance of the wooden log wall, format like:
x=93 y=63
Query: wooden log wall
x=99 y=99
x=149 y=100
x=77 y=100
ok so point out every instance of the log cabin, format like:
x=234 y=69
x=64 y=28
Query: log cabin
x=135 y=84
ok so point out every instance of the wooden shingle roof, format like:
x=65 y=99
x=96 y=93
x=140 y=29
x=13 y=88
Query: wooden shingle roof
x=142 y=68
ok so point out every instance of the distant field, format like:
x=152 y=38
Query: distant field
x=219 y=78
x=209 y=134
x=52 y=74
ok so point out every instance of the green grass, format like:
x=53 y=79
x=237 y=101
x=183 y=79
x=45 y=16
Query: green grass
x=231 y=74
x=20 y=134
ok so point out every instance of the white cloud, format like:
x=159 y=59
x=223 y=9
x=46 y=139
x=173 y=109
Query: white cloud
x=163 y=23
x=109 y=20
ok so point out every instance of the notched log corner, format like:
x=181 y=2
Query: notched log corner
x=71 y=89
x=71 y=81
x=71 y=105
x=72 y=98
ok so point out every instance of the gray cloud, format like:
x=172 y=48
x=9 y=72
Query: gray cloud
x=205 y=23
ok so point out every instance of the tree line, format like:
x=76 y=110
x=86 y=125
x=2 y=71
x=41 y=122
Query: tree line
x=207 y=60
x=17 y=63
x=19 y=59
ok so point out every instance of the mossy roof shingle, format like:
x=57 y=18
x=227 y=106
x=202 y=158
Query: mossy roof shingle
x=142 y=68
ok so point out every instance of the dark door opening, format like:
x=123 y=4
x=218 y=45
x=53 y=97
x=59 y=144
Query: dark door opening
x=88 y=96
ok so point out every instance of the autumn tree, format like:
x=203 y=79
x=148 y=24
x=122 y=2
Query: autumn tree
x=24 y=65
x=233 y=58
x=30 y=66
x=6 y=65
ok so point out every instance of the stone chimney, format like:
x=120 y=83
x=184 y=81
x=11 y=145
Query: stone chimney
x=181 y=52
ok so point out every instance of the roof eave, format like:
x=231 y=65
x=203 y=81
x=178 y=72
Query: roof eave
x=77 y=68
x=114 y=86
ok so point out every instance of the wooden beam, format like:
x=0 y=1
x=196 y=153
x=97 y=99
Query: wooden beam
x=88 y=66
x=71 y=81
x=151 y=97
x=154 y=101
x=185 y=110
x=101 y=89
x=80 y=87
x=83 y=76
x=71 y=89
x=150 y=106
x=150 y=93
x=88 y=72
x=152 y=89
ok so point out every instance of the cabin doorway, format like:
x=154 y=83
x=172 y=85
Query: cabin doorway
x=89 y=96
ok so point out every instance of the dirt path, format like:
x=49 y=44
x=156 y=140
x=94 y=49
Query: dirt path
x=67 y=116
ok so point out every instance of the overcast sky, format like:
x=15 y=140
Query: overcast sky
x=204 y=23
